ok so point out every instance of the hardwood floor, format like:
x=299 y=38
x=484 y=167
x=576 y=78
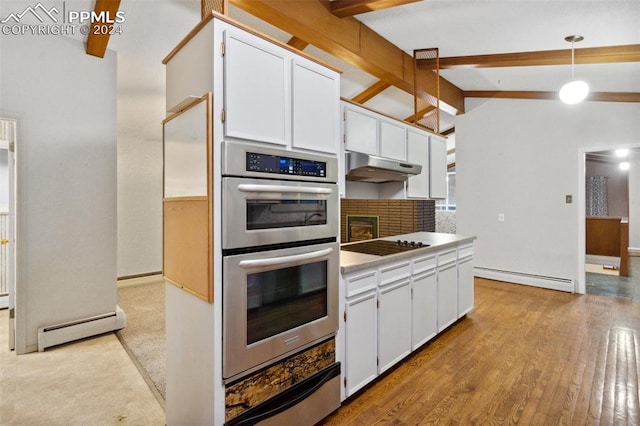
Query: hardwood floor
x=524 y=355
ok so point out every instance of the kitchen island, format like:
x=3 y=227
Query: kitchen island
x=396 y=300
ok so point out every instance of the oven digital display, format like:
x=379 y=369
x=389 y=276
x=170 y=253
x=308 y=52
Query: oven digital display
x=285 y=165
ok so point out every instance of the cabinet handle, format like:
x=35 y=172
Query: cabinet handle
x=245 y=187
x=284 y=260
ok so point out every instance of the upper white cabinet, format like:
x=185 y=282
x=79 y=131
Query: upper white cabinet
x=263 y=91
x=393 y=139
x=418 y=152
x=316 y=107
x=256 y=89
x=437 y=167
x=360 y=130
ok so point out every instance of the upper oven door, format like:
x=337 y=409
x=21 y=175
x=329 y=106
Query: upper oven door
x=260 y=212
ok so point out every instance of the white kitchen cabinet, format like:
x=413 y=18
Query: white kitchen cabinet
x=418 y=152
x=447 y=274
x=437 y=167
x=360 y=130
x=257 y=89
x=394 y=323
x=424 y=308
x=360 y=341
x=316 y=107
x=465 y=280
x=393 y=139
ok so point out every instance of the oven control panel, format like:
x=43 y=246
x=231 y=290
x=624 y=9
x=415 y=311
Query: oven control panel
x=285 y=165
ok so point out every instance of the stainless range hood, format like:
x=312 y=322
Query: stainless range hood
x=370 y=168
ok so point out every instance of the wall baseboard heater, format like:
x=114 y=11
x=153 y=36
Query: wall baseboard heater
x=74 y=330
x=553 y=283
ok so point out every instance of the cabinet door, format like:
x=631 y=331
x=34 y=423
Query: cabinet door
x=360 y=341
x=394 y=323
x=256 y=89
x=465 y=285
x=447 y=294
x=437 y=168
x=393 y=140
x=424 y=308
x=361 y=130
x=316 y=107
x=418 y=152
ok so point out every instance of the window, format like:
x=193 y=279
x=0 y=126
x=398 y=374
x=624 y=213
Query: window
x=449 y=203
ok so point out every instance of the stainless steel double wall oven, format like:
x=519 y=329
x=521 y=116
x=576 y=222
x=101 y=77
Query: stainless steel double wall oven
x=280 y=254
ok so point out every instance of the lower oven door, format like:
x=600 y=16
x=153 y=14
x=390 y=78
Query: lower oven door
x=259 y=212
x=276 y=302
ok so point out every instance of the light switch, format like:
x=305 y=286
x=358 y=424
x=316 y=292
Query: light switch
x=500 y=217
x=568 y=199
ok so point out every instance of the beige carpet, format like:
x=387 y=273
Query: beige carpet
x=144 y=337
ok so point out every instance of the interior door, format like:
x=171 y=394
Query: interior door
x=8 y=221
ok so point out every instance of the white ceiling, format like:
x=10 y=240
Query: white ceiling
x=480 y=27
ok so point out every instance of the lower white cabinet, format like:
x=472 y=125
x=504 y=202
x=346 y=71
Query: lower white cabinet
x=465 y=285
x=360 y=329
x=424 y=308
x=447 y=293
x=392 y=310
x=394 y=323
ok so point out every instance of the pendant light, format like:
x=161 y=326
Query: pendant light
x=576 y=90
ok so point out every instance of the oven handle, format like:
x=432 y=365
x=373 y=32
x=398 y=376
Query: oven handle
x=274 y=261
x=246 y=187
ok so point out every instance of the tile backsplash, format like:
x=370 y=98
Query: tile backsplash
x=394 y=216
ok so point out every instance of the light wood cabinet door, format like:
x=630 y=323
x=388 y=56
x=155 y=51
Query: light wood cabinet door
x=394 y=323
x=316 y=107
x=360 y=341
x=393 y=140
x=418 y=152
x=361 y=130
x=437 y=168
x=257 y=89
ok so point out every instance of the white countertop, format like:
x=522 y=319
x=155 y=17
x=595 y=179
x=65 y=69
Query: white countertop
x=351 y=261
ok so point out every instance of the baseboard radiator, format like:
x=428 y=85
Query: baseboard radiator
x=67 y=332
x=553 y=283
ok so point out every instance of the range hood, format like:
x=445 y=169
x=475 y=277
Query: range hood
x=370 y=168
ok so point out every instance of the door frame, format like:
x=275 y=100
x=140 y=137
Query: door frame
x=581 y=285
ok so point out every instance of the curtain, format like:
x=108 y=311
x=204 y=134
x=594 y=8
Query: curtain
x=596 y=196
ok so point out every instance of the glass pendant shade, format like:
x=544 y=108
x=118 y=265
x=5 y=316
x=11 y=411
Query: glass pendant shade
x=574 y=92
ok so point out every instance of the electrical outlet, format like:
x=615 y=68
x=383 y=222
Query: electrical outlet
x=500 y=217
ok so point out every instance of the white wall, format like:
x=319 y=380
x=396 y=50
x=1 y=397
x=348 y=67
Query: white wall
x=65 y=104
x=520 y=158
x=141 y=108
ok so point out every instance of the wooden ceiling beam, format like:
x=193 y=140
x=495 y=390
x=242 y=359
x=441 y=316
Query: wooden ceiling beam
x=344 y=8
x=588 y=55
x=371 y=91
x=447 y=133
x=297 y=43
x=595 y=96
x=97 y=41
x=355 y=43
x=417 y=116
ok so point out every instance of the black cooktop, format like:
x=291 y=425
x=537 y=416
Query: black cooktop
x=383 y=247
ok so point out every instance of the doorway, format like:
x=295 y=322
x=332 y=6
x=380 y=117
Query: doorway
x=8 y=221
x=608 y=212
